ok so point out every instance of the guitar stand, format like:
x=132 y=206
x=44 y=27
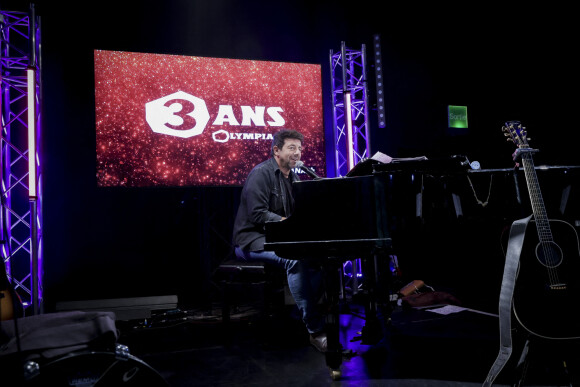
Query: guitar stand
x=526 y=357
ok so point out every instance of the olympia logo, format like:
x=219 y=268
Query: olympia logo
x=183 y=115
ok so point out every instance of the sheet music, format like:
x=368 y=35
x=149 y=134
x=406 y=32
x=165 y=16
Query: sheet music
x=386 y=159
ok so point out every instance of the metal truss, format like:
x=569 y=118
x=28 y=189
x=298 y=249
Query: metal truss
x=20 y=191
x=351 y=127
x=350 y=108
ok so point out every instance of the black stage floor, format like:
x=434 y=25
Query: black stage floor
x=420 y=347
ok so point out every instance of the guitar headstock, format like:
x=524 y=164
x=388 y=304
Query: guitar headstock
x=516 y=133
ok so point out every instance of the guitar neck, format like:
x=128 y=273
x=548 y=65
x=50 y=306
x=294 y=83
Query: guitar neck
x=540 y=216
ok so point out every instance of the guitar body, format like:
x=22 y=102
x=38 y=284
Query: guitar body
x=6 y=305
x=10 y=303
x=547 y=289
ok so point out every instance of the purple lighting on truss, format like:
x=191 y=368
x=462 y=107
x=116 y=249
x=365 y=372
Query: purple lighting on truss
x=21 y=215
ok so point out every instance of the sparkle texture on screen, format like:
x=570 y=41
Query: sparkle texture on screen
x=131 y=154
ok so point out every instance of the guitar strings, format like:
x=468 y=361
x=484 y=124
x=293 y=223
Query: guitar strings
x=542 y=225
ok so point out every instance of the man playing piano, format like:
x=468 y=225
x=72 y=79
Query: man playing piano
x=267 y=197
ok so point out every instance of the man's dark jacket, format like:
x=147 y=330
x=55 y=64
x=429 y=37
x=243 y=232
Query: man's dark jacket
x=264 y=199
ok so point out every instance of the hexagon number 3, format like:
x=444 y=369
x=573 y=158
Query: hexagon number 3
x=178 y=114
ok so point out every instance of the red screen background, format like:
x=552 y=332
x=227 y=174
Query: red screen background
x=130 y=153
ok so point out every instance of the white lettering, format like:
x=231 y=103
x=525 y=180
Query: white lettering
x=461 y=117
x=184 y=115
x=224 y=136
x=221 y=136
x=249 y=116
x=225 y=114
x=274 y=112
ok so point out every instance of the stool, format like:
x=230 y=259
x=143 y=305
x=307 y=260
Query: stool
x=234 y=273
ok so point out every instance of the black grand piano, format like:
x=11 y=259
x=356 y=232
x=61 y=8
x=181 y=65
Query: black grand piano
x=346 y=218
x=337 y=217
x=335 y=220
x=358 y=216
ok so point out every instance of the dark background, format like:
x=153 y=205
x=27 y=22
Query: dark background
x=502 y=62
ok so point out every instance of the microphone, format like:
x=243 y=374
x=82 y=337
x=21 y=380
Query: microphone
x=308 y=171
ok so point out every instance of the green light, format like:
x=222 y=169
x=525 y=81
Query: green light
x=457 y=116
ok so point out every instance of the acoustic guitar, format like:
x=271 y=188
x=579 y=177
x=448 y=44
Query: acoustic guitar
x=6 y=302
x=6 y=305
x=10 y=304
x=546 y=298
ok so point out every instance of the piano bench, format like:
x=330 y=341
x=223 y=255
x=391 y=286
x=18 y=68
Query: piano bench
x=239 y=279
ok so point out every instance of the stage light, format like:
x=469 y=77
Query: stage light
x=379 y=82
x=348 y=112
x=31 y=93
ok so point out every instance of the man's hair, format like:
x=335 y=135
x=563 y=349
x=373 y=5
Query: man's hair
x=281 y=136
